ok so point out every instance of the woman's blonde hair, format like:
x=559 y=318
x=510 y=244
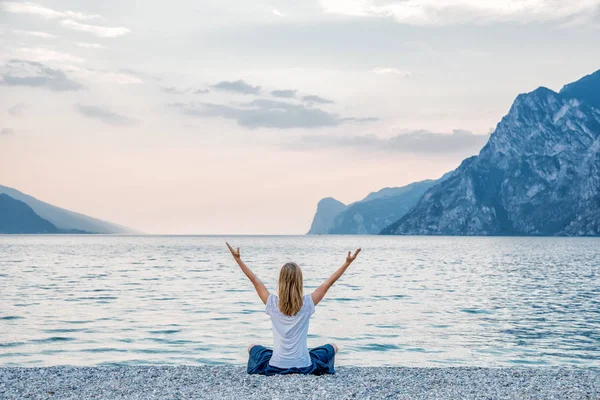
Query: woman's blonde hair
x=290 y=289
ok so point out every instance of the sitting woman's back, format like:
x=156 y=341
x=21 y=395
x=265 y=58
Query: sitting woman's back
x=289 y=334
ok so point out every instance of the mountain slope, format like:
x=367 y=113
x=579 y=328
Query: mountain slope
x=65 y=219
x=371 y=216
x=327 y=209
x=18 y=217
x=585 y=89
x=539 y=174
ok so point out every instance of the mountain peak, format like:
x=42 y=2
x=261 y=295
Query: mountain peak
x=536 y=99
x=328 y=201
x=327 y=209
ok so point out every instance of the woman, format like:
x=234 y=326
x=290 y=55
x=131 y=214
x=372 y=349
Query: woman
x=290 y=312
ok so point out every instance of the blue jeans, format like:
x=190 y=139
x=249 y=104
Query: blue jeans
x=322 y=357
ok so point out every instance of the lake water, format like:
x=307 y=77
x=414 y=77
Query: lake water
x=407 y=301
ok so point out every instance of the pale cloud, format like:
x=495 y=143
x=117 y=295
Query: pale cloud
x=105 y=115
x=69 y=19
x=120 y=78
x=41 y=35
x=34 y=74
x=391 y=71
x=17 y=110
x=140 y=74
x=44 y=55
x=316 y=99
x=420 y=142
x=277 y=13
x=173 y=90
x=447 y=12
x=44 y=12
x=96 y=30
x=90 y=45
x=238 y=86
x=286 y=93
x=262 y=113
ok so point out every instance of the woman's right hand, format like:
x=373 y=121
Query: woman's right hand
x=235 y=253
x=351 y=257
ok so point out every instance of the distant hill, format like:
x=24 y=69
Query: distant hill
x=369 y=217
x=65 y=220
x=18 y=217
x=371 y=214
x=539 y=173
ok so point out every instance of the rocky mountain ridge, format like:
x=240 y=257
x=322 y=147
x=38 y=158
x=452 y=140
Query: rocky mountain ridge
x=539 y=173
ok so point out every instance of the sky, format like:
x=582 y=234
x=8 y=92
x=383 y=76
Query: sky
x=237 y=117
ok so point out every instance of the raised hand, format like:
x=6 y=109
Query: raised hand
x=351 y=257
x=234 y=253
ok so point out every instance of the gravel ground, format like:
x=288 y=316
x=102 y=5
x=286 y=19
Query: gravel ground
x=208 y=382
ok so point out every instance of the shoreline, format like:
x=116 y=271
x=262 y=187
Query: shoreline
x=232 y=382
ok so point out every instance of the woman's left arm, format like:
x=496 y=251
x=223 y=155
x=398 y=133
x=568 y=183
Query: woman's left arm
x=261 y=289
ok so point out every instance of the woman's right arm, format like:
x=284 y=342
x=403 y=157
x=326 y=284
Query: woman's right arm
x=321 y=291
x=260 y=288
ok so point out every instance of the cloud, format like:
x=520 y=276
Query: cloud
x=45 y=12
x=316 y=99
x=99 y=31
x=277 y=13
x=42 y=35
x=17 y=110
x=104 y=115
x=448 y=12
x=119 y=78
x=287 y=93
x=390 y=71
x=353 y=119
x=90 y=45
x=262 y=113
x=140 y=74
x=35 y=74
x=41 y=54
x=6 y=131
x=202 y=91
x=421 y=141
x=238 y=86
x=173 y=90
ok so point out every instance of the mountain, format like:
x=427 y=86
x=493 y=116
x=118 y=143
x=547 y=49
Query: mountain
x=66 y=220
x=539 y=173
x=327 y=209
x=18 y=217
x=369 y=215
x=389 y=192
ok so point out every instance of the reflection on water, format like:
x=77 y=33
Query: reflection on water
x=412 y=301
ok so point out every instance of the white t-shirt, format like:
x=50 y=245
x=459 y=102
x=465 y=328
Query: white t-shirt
x=289 y=334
